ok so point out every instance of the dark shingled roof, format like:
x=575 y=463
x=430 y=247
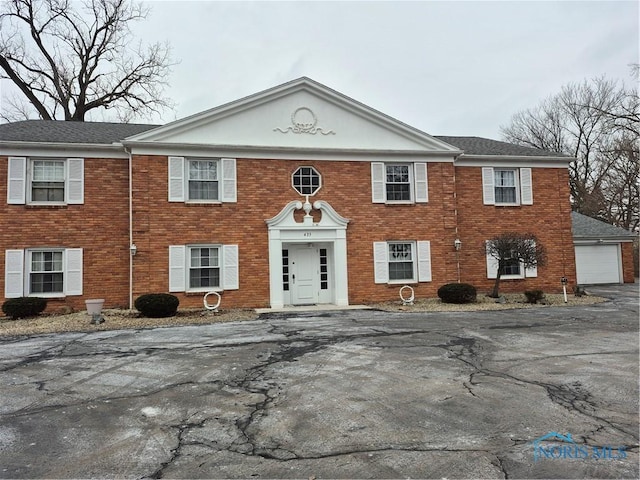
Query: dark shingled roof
x=587 y=227
x=55 y=131
x=486 y=146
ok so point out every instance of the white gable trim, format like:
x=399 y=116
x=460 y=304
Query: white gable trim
x=305 y=84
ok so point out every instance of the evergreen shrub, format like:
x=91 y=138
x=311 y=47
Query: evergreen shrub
x=457 y=293
x=23 y=307
x=157 y=305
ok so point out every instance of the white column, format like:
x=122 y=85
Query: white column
x=275 y=269
x=340 y=256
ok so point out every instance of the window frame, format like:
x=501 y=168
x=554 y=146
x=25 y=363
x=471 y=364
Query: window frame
x=19 y=271
x=421 y=261
x=492 y=270
x=293 y=180
x=20 y=181
x=30 y=272
x=180 y=266
x=190 y=268
x=31 y=170
x=178 y=180
x=417 y=179
x=515 y=186
x=414 y=261
x=523 y=178
x=188 y=180
x=409 y=182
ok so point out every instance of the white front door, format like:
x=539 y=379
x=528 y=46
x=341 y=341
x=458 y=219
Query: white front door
x=304 y=271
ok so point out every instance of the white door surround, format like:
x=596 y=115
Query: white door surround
x=330 y=231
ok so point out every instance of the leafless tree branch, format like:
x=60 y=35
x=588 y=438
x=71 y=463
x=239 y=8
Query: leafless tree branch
x=69 y=59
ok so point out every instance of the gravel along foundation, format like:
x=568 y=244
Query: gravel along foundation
x=131 y=319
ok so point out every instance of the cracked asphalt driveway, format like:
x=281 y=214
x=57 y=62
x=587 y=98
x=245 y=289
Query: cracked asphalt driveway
x=348 y=394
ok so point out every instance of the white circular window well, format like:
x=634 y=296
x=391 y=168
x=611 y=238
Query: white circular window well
x=306 y=180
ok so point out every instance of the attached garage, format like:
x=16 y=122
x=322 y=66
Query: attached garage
x=598 y=264
x=599 y=251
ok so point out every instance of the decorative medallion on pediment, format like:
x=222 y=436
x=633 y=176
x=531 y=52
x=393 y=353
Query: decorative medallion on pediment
x=303 y=120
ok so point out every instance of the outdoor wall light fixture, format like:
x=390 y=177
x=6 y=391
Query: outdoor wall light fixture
x=133 y=249
x=457 y=244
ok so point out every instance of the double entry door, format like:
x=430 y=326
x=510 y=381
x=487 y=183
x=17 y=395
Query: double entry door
x=306 y=273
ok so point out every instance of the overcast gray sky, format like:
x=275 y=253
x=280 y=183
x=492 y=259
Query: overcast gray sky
x=447 y=68
x=444 y=67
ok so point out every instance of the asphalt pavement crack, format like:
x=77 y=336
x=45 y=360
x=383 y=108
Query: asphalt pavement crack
x=182 y=428
x=574 y=397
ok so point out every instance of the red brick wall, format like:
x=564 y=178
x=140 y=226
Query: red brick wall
x=627 y=262
x=264 y=188
x=100 y=227
x=548 y=218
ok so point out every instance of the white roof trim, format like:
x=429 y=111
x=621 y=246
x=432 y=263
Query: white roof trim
x=86 y=150
x=304 y=83
x=507 y=160
x=287 y=153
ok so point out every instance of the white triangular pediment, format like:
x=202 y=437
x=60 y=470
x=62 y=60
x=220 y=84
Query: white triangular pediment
x=302 y=114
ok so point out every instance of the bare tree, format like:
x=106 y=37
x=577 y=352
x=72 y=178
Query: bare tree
x=598 y=123
x=514 y=250
x=68 y=61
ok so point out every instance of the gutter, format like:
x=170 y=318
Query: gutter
x=131 y=244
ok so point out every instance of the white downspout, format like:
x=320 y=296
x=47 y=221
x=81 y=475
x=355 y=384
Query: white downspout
x=128 y=150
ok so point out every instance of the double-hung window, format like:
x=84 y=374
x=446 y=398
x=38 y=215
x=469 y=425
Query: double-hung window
x=402 y=261
x=201 y=268
x=507 y=186
x=202 y=180
x=506 y=189
x=45 y=181
x=401 y=264
x=399 y=183
x=204 y=267
x=46 y=271
x=43 y=272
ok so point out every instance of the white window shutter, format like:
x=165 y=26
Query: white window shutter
x=422 y=185
x=380 y=262
x=177 y=268
x=13 y=273
x=488 y=192
x=492 y=266
x=75 y=180
x=176 y=179
x=230 y=274
x=377 y=182
x=73 y=271
x=531 y=272
x=17 y=180
x=526 y=187
x=229 y=182
x=424 y=261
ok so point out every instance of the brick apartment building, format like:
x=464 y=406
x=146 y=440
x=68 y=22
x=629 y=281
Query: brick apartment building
x=295 y=195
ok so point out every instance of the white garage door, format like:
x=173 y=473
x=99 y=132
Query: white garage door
x=598 y=264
